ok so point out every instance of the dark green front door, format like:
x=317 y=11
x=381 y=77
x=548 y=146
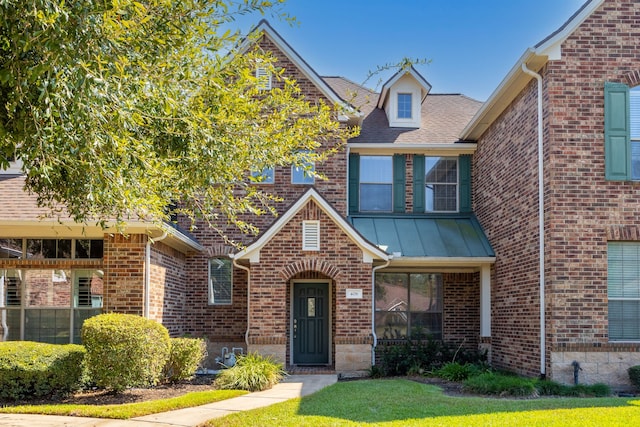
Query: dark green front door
x=311 y=323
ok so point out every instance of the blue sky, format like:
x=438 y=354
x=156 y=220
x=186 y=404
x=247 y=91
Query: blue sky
x=471 y=44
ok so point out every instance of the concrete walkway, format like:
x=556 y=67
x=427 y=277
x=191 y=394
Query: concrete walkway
x=292 y=387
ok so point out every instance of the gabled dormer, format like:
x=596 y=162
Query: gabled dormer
x=402 y=96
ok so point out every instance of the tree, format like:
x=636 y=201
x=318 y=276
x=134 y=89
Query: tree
x=117 y=108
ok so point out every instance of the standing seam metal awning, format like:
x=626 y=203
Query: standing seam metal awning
x=454 y=236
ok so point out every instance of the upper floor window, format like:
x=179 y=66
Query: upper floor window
x=441 y=184
x=266 y=176
x=264 y=78
x=404 y=106
x=634 y=110
x=376 y=183
x=303 y=174
x=220 y=281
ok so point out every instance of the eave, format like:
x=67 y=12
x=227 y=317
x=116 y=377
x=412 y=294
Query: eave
x=442 y=149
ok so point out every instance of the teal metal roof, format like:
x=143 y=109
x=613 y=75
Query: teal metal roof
x=420 y=236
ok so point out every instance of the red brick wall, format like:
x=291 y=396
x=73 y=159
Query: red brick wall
x=579 y=204
x=168 y=288
x=124 y=273
x=461 y=309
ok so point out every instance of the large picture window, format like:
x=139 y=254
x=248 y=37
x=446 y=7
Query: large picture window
x=48 y=305
x=408 y=305
x=623 y=289
x=441 y=184
x=51 y=248
x=220 y=281
x=376 y=183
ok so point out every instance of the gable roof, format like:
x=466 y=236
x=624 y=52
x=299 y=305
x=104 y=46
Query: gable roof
x=267 y=30
x=515 y=81
x=369 y=250
x=425 y=86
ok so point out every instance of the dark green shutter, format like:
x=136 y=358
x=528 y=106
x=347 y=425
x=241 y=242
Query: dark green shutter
x=399 y=196
x=354 y=183
x=464 y=172
x=418 y=183
x=617 y=133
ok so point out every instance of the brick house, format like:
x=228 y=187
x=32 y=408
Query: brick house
x=395 y=243
x=581 y=119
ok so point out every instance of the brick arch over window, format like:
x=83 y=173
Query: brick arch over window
x=310 y=264
x=219 y=250
x=633 y=78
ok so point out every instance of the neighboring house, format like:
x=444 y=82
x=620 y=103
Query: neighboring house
x=589 y=104
x=395 y=243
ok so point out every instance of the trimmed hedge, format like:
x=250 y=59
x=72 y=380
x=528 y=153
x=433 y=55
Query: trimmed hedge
x=185 y=358
x=34 y=370
x=125 y=351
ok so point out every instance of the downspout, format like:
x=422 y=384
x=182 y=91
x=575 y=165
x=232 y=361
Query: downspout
x=543 y=370
x=242 y=267
x=5 y=327
x=147 y=272
x=373 y=310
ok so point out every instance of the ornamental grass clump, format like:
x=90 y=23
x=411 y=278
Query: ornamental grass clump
x=125 y=351
x=493 y=383
x=252 y=372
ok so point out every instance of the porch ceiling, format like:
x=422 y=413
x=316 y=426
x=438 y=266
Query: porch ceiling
x=453 y=236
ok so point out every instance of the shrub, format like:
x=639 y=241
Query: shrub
x=185 y=358
x=500 y=384
x=634 y=375
x=30 y=369
x=124 y=350
x=252 y=372
x=454 y=371
x=552 y=388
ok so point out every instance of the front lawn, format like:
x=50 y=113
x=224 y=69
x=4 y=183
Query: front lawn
x=406 y=403
x=128 y=410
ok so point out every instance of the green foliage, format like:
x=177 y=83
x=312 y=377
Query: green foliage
x=454 y=371
x=427 y=355
x=376 y=371
x=252 y=372
x=120 y=108
x=634 y=375
x=493 y=383
x=124 y=350
x=185 y=358
x=29 y=369
x=552 y=388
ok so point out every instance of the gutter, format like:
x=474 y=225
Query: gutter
x=540 y=220
x=147 y=271
x=242 y=267
x=373 y=309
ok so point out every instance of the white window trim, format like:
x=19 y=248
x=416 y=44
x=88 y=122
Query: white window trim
x=411 y=117
x=457 y=185
x=210 y=285
x=360 y=182
x=311 y=235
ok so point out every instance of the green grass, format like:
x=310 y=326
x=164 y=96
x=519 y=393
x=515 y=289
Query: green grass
x=405 y=403
x=128 y=410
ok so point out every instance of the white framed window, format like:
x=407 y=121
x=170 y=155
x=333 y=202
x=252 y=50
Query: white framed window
x=264 y=78
x=623 y=290
x=311 y=235
x=405 y=102
x=265 y=176
x=303 y=174
x=441 y=184
x=220 y=281
x=376 y=183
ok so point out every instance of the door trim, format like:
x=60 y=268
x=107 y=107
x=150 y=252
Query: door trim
x=293 y=283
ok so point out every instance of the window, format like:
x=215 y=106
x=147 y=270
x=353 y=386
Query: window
x=404 y=106
x=441 y=184
x=11 y=248
x=264 y=78
x=623 y=289
x=52 y=248
x=376 y=183
x=408 y=305
x=311 y=235
x=266 y=176
x=220 y=281
x=48 y=305
x=303 y=174
x=89 y=248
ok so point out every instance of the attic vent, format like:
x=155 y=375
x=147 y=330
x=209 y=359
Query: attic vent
x=311 y=235
x=264 y=78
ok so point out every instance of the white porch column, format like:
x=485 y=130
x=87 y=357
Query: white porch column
x=485 y=300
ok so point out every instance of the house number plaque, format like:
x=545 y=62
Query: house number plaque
x=354 y=293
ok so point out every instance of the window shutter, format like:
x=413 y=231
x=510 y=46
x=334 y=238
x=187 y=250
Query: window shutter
x=617 y=146
x=418 y=183
x=464 y=171
x=354 y=182
x=311 y=235
x=398 y=182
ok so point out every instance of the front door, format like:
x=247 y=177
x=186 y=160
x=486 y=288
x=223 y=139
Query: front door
x=311 y=323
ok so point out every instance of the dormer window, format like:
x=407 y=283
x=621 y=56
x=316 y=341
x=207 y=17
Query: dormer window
x=264 y=78
x=404 y=106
